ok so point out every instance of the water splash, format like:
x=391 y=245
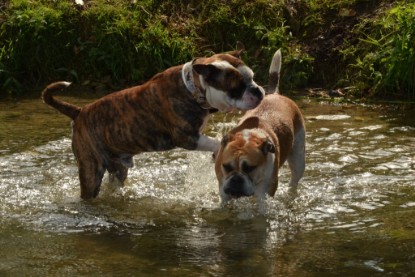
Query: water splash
x=358 y=167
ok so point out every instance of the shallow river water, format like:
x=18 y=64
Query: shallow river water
x=354 y=214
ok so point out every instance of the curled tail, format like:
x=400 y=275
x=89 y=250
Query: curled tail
x=67 y=109
x=274 y=72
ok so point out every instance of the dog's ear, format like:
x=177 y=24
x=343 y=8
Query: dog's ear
x=236 y=53
x=208 y=71
x=225 y=140
x=240 y=46
x=267 y=147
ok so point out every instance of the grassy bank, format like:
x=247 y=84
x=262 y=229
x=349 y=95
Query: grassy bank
x=364 y=45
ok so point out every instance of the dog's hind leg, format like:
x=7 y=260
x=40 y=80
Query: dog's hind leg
x=296 y=159
x=91 y=173
x=91 y=169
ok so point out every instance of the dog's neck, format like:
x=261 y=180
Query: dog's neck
x=197 y=90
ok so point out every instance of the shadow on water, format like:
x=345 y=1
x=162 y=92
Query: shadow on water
x=354 y=213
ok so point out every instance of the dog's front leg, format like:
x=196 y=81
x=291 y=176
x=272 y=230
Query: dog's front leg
x=205 y=143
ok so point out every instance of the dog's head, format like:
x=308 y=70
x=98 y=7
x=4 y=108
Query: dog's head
x=228 y=82
x=244 y=164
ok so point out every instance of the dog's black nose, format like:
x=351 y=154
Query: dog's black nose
x=235 y=187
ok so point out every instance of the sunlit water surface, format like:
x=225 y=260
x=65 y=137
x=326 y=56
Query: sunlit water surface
x=354 y=214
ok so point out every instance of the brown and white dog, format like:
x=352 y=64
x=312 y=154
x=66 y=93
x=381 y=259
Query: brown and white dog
x=167 y=111
x=252 y=153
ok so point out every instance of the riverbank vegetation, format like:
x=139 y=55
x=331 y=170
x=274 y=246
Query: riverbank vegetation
x=359 y=48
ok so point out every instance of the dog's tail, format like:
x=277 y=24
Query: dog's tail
x=67 y=109
x=274 y=73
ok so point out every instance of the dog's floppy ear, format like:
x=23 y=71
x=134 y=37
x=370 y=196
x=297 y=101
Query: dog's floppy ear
x=267 y=147
x=206 y=70
x=225 y=140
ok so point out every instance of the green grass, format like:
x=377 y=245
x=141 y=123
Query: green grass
x=382 y=62
x=126 y=42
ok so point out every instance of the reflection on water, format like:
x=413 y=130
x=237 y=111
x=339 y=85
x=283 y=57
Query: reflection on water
x=354 y=213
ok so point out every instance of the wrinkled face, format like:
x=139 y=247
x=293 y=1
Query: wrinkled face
x=244 y=164
x=228 y=82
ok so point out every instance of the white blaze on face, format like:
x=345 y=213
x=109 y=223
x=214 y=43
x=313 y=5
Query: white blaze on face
x=255 y=131
x=246 y=134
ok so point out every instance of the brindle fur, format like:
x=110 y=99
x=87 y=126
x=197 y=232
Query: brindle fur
x=159 y=115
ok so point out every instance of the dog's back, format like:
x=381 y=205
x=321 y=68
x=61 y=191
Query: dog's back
x=278 y=109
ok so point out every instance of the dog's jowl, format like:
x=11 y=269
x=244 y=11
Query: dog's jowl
x=166 y=112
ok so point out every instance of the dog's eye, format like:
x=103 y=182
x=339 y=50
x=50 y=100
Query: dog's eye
x=237 y=91
x=227 y=167
x=247 y=168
